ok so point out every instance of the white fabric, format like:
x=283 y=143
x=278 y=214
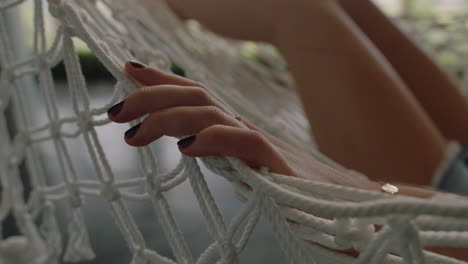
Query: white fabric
x=291 y=205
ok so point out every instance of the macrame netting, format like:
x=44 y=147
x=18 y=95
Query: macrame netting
x=119 y=30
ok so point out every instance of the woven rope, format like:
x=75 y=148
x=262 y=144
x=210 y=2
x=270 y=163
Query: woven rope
x=291 y=205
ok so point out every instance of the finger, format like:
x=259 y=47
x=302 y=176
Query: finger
x=248 y=145
x=177 y=121
x=154 y=98
x=150 y=76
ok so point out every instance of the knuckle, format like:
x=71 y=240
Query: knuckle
x=142 y=94
x=153 y=127
x=213 y=114
x=143 y=91
x=158 y=119
x=199 y=84
x=256 y=138
x=200 y=94
x=215 y=133
x=216 y=129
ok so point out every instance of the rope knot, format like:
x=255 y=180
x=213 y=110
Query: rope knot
x=54 y=129
x=49 y=207
x=153 y=188
x=84 y=121
x=402 y=226
x=154 y=58
x=222 y=167
x=353 y=233
x=138 y=255
x=230 y=252
x=38 y=196
x=56 y=8
x=74 y=197
x=42 y=62
x=109 y=192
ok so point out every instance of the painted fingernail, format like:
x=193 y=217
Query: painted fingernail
x=137 y=64
x=114 y=110
x=132 y=131
x=186 y=142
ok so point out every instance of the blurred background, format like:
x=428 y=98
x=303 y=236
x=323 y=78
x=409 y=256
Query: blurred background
x=439 y=26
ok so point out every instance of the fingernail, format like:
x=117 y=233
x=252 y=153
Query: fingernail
x=186 y=142
x=114 y=110
x=137 y=64
x=132 y=131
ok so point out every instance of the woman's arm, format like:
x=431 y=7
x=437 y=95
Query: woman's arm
x=436 y=91
x=361 y=112
x=358 y=106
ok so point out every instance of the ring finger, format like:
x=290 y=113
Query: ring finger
x=178 y=121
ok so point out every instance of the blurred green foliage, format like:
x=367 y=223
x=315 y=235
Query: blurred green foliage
x=176 y=69
x=95 y=71
x=441 y=28
x=443 y=35
x=92 y=69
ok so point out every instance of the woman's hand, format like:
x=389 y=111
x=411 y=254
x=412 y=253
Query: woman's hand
x=181 y=107
x=178 y=106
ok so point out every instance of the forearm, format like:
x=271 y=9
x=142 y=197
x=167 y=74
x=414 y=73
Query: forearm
x=361 y=113
x=411 y=63
x=432 y=86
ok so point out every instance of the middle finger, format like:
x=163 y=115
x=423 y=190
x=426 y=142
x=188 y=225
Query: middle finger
x=178 y=121
x=155 y=98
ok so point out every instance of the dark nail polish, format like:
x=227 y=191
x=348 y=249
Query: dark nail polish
x=114 y=110
x=132 y=131
x=186 y=142
x=137 y=64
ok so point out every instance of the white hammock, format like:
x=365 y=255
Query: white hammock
x=289 y=204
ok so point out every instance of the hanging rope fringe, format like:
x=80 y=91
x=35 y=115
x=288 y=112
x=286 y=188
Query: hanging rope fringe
x=78 y=246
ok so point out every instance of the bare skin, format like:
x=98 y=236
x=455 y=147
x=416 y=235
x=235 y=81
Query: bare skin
x=365 y=110
x=361 y=111
x=436 y=91
x=190 y=108
x=353 y=123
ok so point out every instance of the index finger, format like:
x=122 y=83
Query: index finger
x=149 y=76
